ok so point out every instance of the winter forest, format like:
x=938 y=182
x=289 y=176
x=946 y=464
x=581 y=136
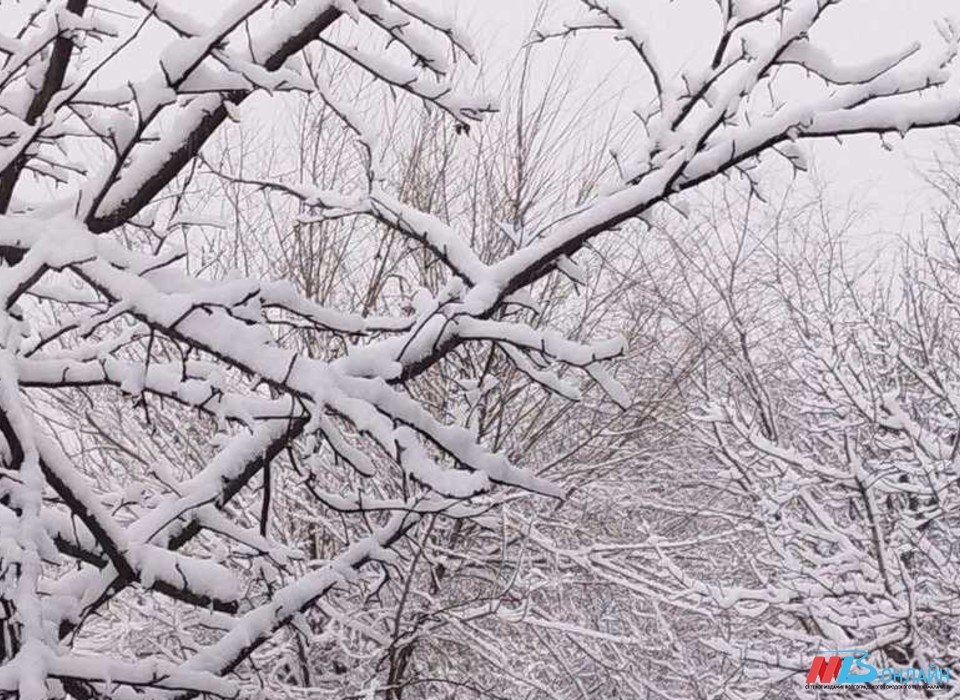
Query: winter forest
x=415 y=350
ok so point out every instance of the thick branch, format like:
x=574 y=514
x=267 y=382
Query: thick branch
x=191 y=143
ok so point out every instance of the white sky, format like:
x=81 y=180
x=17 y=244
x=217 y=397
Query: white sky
x=887 y=185
x=884 y=183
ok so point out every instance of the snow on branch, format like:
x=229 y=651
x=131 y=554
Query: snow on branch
x=155 y=407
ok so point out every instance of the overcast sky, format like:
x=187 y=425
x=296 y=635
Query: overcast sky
x=885 y=183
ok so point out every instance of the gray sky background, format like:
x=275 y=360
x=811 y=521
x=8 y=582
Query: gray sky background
x=884 y=183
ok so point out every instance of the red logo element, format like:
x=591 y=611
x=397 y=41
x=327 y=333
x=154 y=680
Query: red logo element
x=826 y=670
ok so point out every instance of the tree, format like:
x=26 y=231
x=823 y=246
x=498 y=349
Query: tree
x=814 y=510
x=96 y=294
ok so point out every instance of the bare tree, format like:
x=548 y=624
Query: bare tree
x=98 y=294
x=814 y=510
